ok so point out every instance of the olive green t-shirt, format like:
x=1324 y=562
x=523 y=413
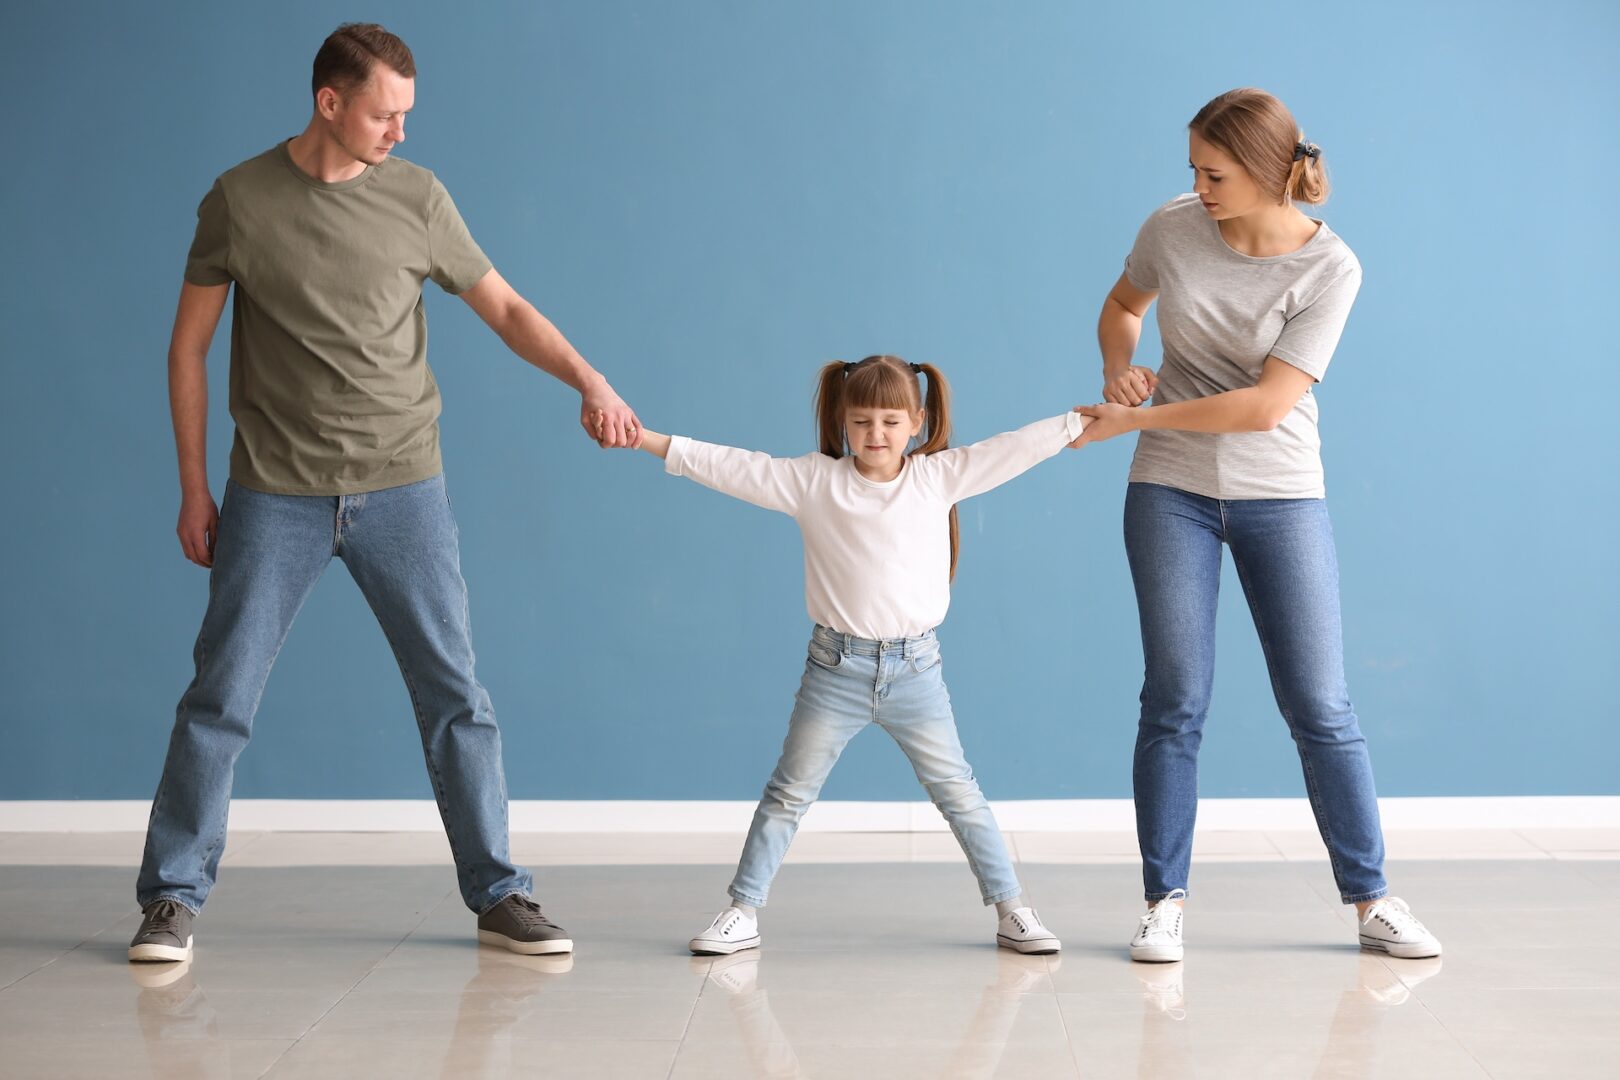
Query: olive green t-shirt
x=330 y=387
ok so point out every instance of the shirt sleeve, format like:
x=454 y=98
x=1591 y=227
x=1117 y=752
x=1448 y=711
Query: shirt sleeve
x=1310 y=335
x=773 y=483
x=457 y=263
x=1142 y=264
x=209 y=259
x=965 y=471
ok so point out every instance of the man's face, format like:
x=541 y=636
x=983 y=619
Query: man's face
x=371 y=119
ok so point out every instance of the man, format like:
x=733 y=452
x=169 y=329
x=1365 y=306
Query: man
x=327 y=239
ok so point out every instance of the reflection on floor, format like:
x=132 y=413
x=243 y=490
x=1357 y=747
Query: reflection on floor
x=326 y=955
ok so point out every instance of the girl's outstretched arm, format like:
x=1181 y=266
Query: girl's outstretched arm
x=773 y=483
x=966 y=471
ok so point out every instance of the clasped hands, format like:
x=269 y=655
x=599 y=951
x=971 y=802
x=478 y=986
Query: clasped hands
x=1115 y=415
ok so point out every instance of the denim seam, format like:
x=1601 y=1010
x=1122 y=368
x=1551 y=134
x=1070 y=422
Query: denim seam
x=1155 y=897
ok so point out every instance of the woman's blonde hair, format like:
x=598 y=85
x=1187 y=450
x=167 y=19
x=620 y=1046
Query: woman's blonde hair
x=1258 y=132
x=886 y=382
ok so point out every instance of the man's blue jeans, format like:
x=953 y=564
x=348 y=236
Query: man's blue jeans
x=400 y=545
x=899 y=685
x=1284 y=555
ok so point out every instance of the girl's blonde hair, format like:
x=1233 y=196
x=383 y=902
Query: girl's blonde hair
x=886 y=382
x=1257 y=131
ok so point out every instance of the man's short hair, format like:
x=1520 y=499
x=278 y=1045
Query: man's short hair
x=353 y=49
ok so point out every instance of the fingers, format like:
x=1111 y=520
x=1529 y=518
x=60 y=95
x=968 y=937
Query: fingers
x=197 y=543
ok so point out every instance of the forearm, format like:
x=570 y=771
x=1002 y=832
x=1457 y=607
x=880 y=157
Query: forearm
x=655 y=444
x=1118 y=331
x=188 y=408
x=532 y=336
x=1246 y=409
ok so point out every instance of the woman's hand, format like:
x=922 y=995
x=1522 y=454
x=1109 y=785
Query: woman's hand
x=1132 y=386
x=1106 y=421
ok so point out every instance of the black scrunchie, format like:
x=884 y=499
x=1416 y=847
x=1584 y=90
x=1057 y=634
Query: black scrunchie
x=1307 y=150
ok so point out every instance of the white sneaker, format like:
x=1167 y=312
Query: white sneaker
x=731 y=931
x=1021 y=930
x=1158 y=939
x=1390 y=927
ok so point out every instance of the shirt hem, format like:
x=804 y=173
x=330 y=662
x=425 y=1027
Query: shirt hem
x=380 y=482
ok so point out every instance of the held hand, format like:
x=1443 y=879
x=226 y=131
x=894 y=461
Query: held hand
x=198 y=528
x=1106 y=421
x=607 y=419
x=1132 y=387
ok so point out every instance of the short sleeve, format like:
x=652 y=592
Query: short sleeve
x=457 y=262
x=1142 y=264
x=209 y=259
x=1310 y=335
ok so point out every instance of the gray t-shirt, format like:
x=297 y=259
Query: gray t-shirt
x=1221 y=313
x=330 y=385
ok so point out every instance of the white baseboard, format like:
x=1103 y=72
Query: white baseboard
x=1017 y=815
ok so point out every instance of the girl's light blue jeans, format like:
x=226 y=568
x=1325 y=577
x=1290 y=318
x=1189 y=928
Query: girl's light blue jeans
x=1284 y=554
x=898 y=684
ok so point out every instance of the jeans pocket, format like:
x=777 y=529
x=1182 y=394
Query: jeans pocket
x=825 y=655
x=925 y=660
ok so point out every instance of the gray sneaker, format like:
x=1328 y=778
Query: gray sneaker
x=165 y=932
x=517 y=924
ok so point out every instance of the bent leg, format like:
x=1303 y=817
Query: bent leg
x=1285 y=557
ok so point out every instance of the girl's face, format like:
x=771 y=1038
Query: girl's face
x=878 y=438
x=1225 y=187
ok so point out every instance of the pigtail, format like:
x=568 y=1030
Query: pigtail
x=937 y=436
x=830 y=409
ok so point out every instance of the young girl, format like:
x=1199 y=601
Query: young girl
x=1253 y=295
x=880 y=547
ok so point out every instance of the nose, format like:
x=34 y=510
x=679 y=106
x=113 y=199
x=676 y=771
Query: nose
x=396 y=131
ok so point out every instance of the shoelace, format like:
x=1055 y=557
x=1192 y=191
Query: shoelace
x=527 y=912
x=164 y=918
x=1398 y=917
x=1163 y=918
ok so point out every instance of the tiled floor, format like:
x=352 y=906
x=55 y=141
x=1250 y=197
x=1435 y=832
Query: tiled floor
x=338 y=955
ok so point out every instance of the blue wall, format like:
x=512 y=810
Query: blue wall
x=713 y=198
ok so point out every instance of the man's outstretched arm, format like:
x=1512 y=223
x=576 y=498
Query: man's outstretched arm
x=602 y=413
x=194 y=324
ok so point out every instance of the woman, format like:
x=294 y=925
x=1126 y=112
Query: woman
x=1253 y=296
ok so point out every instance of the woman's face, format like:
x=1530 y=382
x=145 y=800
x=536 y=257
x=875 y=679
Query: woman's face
x=1225 y=187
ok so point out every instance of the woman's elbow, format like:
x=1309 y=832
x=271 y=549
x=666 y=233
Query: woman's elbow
x=1268 y=415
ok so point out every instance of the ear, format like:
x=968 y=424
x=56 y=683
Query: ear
x=327 y=102
x=917 y=422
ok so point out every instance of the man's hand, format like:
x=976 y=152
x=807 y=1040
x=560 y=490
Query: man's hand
x=198 y=528
x=1107 y=420
x=1132 y=386
x=607 y=419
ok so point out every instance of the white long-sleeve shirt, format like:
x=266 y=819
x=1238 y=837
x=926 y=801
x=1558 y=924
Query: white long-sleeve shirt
x=877 y=556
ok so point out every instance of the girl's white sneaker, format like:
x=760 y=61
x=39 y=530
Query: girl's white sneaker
x=731 y=931
x=1021 y=930
x=1158 y=938
x=1390 y=927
